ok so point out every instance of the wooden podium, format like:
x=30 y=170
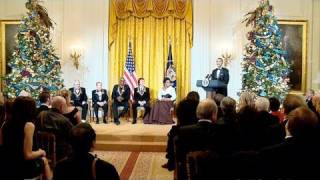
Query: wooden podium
x=210 y=86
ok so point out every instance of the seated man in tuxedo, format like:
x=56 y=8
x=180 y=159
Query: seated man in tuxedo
x=79 y=98
x=141 y=98
x=120 y=97
x=100 y=100
x=221 y=74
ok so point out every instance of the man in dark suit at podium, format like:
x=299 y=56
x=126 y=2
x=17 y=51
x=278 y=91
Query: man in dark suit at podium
x=221 y=74
x=79 y=98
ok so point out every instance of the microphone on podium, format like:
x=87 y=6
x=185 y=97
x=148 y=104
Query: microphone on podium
x=208 y=76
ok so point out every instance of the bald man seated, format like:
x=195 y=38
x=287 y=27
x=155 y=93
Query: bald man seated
x=53 y=121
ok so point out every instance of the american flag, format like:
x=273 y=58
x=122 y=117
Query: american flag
x=129 y=72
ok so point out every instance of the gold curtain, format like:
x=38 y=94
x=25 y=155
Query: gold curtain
x=150 y=25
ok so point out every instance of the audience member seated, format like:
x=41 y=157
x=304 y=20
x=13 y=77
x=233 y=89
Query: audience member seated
x=309 y=95
x=217 y=99
x=248 y=127
x=120 y=97
x=45 y=102
x=55 y=122
x=22 y=159
x=298 y=156
x=228 y=110
x=186 y=115
x=228 y=120
x=246 y=99
x=141 y=99
x=82 y=164
x=79 y=98
x=290 y=103
x=275 y=108
x=272 y=131
x=202 y=136
x=160 y=112
x=71 y=112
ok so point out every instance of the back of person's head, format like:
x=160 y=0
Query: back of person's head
x=207 y=109
x=186 y=112
x=262 y=104
x=228 y=105
x=59 y=103
x=193 y=95
x=302 y=122
x=274 y=104
x=44 y=97
x=82 y=138
x=316 y=102
x=65 y=94
x=218 y=98
x=23 y=110
x=247 y=115
x=291 y=102
x=246 y=99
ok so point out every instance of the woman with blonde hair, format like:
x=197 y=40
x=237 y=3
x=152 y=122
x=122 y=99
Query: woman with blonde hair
x=246 y=99
x=72 y=113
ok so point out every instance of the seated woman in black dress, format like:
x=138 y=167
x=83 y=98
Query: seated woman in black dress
x=72 y=113
x=21 y=158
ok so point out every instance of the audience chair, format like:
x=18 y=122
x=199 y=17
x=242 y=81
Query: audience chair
x=196 y=164
x=47 y=142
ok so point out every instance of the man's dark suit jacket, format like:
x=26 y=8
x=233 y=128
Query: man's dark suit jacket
x=137 y=96
x=95 y=96
x=125 y=95
x=203 y=136
x=77 y=100
x=42 y=108
x=223 y=77
x=60 y=126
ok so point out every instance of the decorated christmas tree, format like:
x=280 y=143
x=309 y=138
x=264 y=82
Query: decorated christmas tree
x=264 y=68
x=34 y=64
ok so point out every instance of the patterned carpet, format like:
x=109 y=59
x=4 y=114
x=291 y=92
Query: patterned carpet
x=137 y=165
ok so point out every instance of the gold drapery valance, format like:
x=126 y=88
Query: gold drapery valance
x=122 y=9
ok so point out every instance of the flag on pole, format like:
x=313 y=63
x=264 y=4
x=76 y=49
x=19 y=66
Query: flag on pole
x=130 y=73
x=170 y=70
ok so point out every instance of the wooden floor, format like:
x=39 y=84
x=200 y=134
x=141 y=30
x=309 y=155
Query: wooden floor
x=131 y=137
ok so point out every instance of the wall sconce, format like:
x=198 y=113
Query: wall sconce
x=75 y=55
x=226 y=56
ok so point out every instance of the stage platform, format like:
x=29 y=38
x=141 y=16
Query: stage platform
x=131 y=137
